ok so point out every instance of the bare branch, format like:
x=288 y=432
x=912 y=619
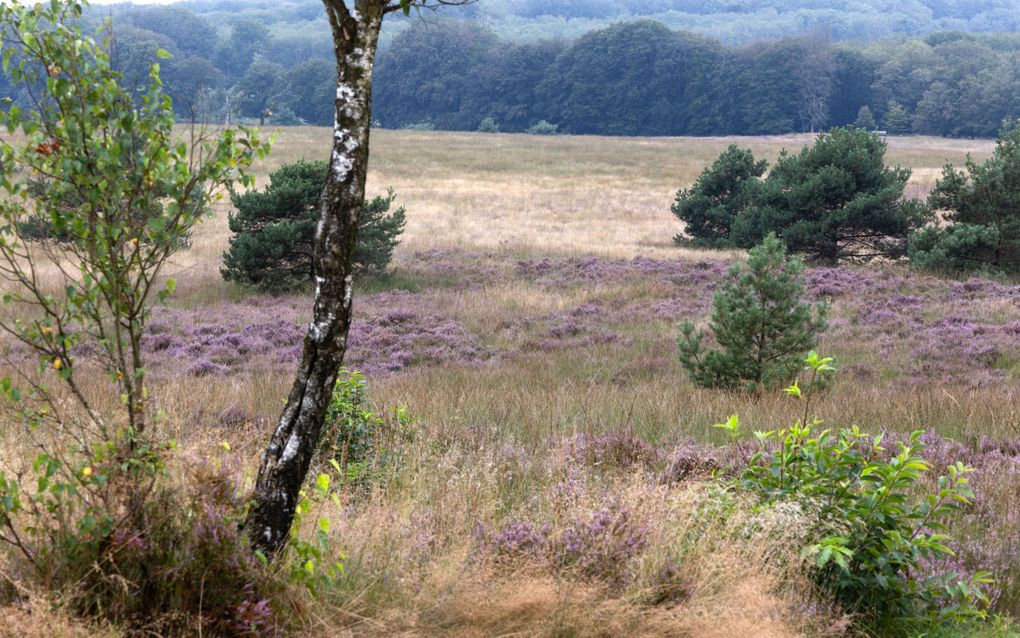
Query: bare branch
x=419 y=5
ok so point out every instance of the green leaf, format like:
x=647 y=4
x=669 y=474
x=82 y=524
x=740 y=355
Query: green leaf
x=793 y=390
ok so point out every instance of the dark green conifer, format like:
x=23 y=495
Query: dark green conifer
x=722 y=192
x=761 y=327
x=273 y=230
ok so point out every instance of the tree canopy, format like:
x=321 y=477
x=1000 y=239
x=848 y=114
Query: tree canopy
x=598 y=66
x=834 y=200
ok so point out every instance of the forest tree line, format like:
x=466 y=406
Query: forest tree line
x=642 y=78
x=633 y=78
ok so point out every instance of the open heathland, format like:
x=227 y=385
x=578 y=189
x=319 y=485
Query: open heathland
x=551 y=480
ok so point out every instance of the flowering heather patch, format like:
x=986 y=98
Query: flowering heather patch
x=987 y=533
x=582 y=326
x=612 y=451
x=391 y=331
x=564 y=272
x=835 y=282
x=395 y=330
x=225 y=339
x=599 y=546
x=886 y=322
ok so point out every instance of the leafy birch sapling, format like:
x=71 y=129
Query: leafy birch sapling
x=875 y=528
x=123 y=191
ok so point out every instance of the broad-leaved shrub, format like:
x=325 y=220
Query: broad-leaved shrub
x=876 y=527
x=357 y=442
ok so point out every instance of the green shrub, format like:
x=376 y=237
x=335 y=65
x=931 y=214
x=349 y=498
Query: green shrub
x=142 y=571
x=722 y=192
x=52 y=225
x=95 y=518
x=356 y=442
x=759 y=322
x=488 y=125
x=953 y=250
x=420 y=126
x=274 y=230
x=983 y=204
x=835 y=200
x=543 y=127
x=875 y=529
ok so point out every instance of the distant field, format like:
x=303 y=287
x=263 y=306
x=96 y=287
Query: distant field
x=480 y=206
x=522 y=194
x=571 y=195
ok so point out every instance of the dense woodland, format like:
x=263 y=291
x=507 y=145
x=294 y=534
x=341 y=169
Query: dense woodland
x=640 y=77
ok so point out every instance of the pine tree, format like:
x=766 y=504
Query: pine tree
x=762 y=328
x=273 y=230
x=721 y=193
x=834 y=200
x=866 y=119
x=488 y=125
x=983 y=205
x=897 y=119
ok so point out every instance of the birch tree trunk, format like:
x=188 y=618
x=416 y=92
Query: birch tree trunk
x=296 y=438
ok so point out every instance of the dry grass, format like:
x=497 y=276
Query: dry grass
x=564 y=194
x=39 y=618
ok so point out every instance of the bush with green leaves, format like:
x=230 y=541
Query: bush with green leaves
x=542 y=127
x=721 y=193
x=835 y=200
x=356 y=442
x=876 y=527
x=761 y=326
x=420 y=126
x=982 y=205
x=488 y=125
x=39 y=226
x=93 y=514
x=274 y=230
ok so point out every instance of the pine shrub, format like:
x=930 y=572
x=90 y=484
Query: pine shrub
x=542 y=127
x=897 y=119
x=835 y=200
x=274 y=230
x=761 y=326
x=722 y=192
x=488 y=125
x=865 y=119
x=982 y=205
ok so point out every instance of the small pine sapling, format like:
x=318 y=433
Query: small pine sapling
x=759 y=322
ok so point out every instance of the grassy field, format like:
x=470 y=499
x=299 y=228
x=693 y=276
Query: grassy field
x=528 y=325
